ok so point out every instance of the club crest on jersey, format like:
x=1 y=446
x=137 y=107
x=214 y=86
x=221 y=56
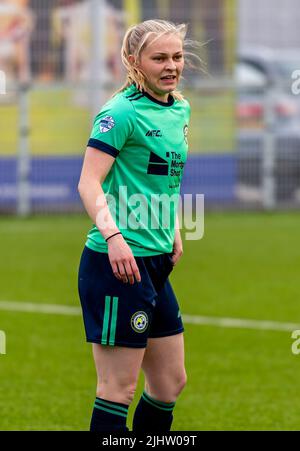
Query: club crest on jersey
x=139 y=321
x=185 y=132
x=106 y=124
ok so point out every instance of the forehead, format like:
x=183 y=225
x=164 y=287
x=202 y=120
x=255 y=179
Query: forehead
x=167 y=43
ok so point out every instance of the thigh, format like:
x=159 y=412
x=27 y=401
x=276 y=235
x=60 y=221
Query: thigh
x=163 y=364
x=117 y=365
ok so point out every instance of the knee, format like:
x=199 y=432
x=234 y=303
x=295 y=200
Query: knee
x=128 y=392
x=174 y=387
x=121 y=390
x=179 y=383
x=168 y=388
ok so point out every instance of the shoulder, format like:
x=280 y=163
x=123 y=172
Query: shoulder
x=116 y=113
x=188 y=108
x=118 y=105
x=186 y=104
x=184 y=107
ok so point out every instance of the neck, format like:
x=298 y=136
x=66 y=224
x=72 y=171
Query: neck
x=164 y=97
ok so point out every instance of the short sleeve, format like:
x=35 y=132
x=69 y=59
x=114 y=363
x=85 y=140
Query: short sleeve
x=113 y=126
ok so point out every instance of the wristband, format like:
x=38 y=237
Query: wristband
x=117 y=233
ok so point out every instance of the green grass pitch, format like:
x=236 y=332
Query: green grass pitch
x=246 y=266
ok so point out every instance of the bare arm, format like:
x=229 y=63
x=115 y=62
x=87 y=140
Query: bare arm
x=96 y=166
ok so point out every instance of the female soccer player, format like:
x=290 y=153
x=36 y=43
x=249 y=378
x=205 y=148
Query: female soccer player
x=136 y=153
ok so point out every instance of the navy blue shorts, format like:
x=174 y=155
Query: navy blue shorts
x=120 y=314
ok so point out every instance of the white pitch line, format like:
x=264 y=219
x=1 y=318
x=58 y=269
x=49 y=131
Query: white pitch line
x=239 y=323
x=32 y=307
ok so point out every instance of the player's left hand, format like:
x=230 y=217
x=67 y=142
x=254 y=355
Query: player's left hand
x=177 y=248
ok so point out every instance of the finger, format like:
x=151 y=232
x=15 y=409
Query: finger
x=122 y=272
x=175 y=257
x=115 y=270
x=129 y=272
x=135 y=271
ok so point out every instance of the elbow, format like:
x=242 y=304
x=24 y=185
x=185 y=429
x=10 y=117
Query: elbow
x=86 y=186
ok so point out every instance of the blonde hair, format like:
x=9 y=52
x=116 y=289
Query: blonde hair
x=135 y=41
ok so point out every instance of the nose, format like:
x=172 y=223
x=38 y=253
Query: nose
x=170 y=65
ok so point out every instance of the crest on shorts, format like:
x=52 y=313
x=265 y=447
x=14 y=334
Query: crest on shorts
x=139 y=321
x=106 y=124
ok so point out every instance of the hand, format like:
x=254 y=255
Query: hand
x=122 y=260
x=177 y=248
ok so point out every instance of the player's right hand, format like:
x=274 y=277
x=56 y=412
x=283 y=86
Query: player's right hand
x=122 y=260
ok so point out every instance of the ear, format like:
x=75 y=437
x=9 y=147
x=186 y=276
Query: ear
x=131 y=59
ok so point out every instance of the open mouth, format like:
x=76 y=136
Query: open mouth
x=168 y=77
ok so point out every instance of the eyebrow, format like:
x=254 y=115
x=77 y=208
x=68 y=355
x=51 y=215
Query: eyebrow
x=162 y=53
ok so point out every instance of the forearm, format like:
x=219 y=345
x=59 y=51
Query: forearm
x=177 y=228
x=95 y=203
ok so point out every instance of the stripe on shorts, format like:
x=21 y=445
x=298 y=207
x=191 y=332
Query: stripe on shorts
x=113 y=324
x=110 y=320
x=105 y=320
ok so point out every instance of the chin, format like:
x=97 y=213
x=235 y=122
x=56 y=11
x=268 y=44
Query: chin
x=160 y=90
x=168 y=89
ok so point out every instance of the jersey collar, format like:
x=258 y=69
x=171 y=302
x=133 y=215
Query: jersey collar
x=168 y=103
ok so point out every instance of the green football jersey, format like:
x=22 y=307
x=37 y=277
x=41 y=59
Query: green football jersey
x=148 y=139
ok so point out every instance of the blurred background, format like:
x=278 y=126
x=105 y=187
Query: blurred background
x=59 y=62
x=61 y=59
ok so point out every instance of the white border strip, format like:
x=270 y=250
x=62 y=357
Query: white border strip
x=239 y=323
